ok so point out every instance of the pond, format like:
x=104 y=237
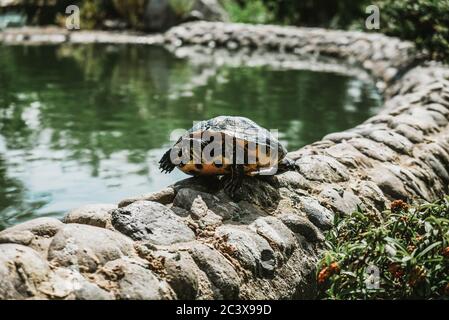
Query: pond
x=88 y=123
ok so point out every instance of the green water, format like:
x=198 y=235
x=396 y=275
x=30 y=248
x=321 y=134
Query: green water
x=87 y=124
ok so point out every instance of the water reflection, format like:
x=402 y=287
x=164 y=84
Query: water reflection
x=83 y=124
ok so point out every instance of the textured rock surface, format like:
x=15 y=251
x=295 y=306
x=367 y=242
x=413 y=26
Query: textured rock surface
x=190 y=240
x=151 y=221
x=97 y=215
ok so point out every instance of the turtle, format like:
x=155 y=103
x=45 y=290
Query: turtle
x=229 y=146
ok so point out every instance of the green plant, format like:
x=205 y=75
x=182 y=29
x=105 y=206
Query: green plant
x=252 y=11
x=408 y=245
x=425 y=22
x=181 y=7
x=132 y=11
x=92 y=14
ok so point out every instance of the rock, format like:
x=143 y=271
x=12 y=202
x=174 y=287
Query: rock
x=42 y=227
x=341 y=136
x=223 y=207
x=346 y=154
x=164 y=196
x=370 y=191
x=320 y=216
x=436 y=165
x=18 y=237
x=388 y=183
x=205 y=217
x=322 y=168
x=134 y=282
x=276 y=233
x=22 y=270
x=418 y=120
x=410 y=133
x=342 y=201
x=352 y=201
x=219 y=270
x=373 y=150
x=69 y=284
x=251 y=250
x=86 y=247
x=180 y=212
x=260 y=191
x=438 y=108
x=36 y=233
x=151 y=221
x=393 y=140
x=303 y=226
x=292 y=179
x=97 y=215
x=182 y=274
x=199 y=208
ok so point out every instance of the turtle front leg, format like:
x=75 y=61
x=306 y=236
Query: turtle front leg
x=233 y=186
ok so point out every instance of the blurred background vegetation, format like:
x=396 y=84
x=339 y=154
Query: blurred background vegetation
x=426 y=22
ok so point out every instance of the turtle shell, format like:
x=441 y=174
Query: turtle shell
x=256 y=146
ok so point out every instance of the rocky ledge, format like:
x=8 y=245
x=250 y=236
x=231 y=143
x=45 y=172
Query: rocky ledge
x=190 y=241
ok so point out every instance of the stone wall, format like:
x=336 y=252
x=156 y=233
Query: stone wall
x=190 y=241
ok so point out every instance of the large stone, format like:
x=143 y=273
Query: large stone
x=164 y=196
x=276 y=233
x=388 y=183
x=251 y=250
x=97 y=215
x=292 y=179
x=41 y=227
x=86 y=247
x=392 y=139
x=35 y=233
x=412 y=134
x=204 y=217
x=373 y=149
x=340 y=200
x=348 y=155
x=260 y=191
x=322 y=168
x=221 y=206
x=303 y=226
x=151 y=221
x=320 y=216
x=341 y=136
x=69 y=284
x=182 y=273
x=22 y=270
x=436 y=164
x=133 y=281
x=220 y=271
x=419 y=120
